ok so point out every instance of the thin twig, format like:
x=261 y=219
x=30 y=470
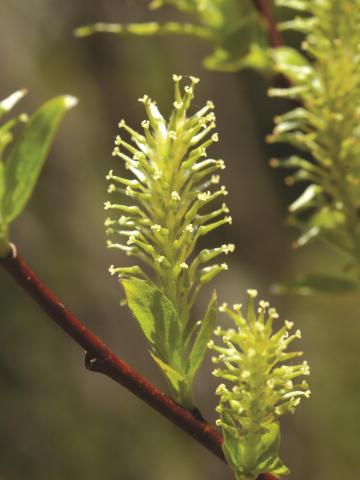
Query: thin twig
x=99 y=358
x=265 y=10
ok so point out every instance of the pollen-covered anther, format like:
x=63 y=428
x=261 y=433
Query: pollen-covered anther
x=289 y=325
x=175 y=196
x=210 y=104
x=215 y=179
x=184 y=266
x=108 y=222
x=156 y=227
x=195 y=80
x=189 y=89
x=122 y=123
x=220 y=164
x=157 y=174
x=178 y=105
x=129 y=191
x=123 y=219
x=144 y=99
x=118 y=141
x=215 y=136
x=273 y=313
x=228 y=220
x=298 y=334
x=223 y=190
x=176 y=78
x=145 y=124
x=131 y=240
x=189 y=228
x=224 y=266
x=218 y=330
x=115 y=152
x=228 y=248
x=305 y=368
x=111 y=188
x=202 y=152
x=112 y=270
x=160 y=258
x=252 y=293
x=172 y=135
x=237 y=307
x=109 y=176
x=107 y=205
x=204 y=196
x=223 y=307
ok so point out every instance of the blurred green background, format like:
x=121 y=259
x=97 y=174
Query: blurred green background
x=56 y=419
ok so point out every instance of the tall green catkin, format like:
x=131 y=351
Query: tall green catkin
x=165 y=208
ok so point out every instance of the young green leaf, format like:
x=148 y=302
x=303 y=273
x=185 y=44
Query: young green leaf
x=175 y=378
x=157 y=318
x=203 y=336
x=28 y=154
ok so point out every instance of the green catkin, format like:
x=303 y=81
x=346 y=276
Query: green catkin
x=261 y=385
x=325 y=128
x=169 y=200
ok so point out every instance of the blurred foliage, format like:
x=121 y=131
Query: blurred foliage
x=323 y=130
x=234 y=29
x=24 y=159
x=56 y=419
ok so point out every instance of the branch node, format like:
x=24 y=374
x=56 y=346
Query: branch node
x=92 y=362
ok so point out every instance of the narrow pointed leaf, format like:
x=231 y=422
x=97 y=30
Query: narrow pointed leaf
x=174 y=377
x=28 y=154
x=317 y=283
x=200 y=344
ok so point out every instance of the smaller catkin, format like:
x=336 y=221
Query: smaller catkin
x=261 y=385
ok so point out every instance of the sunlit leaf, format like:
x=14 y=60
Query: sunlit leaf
x=203 y=336
x=28 y=154
x=156 y=316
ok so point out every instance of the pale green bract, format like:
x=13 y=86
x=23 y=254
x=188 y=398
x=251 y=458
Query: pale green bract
x=22 y=157
x=260 y=387
x=324 y=129
x=164 y=210
x=232 y=27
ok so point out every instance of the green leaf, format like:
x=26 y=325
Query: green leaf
x=306 y=199
x=157 y=317
x=28 y=154
x=2 y=186
x=175 y=378
x=317 y=283
x=204 y=334
x=4 y=242
x=292 y=63
x=269 y=460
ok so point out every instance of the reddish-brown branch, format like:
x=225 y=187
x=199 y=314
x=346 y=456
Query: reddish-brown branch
x=264 y=8
x=99 y=358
